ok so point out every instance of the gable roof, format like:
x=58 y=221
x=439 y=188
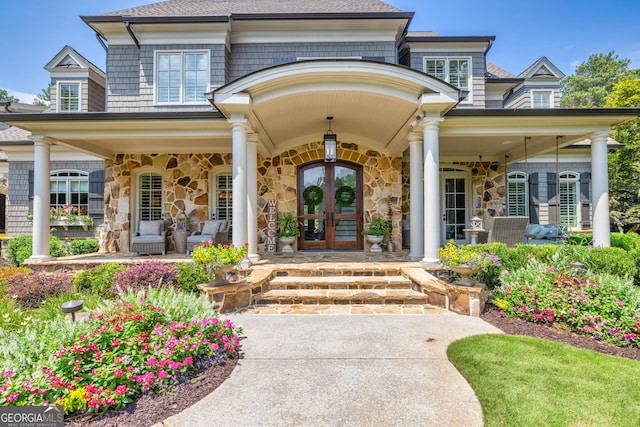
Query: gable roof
x=227 y=7
x=69 y=58
x=542 y=68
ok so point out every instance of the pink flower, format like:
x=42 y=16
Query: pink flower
x=116 y=342
x=162 y=374
x=12 y=397
x=152 y=361
x=118 y=373
x=187 y=361
x=8 y=373
x=121 y=390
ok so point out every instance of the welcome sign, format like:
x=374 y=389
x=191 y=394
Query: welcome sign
x=272 y=225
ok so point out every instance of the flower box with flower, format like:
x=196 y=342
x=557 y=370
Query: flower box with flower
x=466 y=260
x=219 y=259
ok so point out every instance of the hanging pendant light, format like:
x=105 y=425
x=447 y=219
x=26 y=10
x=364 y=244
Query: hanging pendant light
x=330 y=144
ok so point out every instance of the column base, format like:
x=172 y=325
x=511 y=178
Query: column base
x=431 y=263
x=415 y=257
x=36 y=259
x=254 y=258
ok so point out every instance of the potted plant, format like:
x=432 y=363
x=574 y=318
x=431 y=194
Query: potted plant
x=288 y=230
x=375 y=231
x=466 y=260
x=219 y=259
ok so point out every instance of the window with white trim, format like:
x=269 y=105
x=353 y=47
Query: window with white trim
x=69 y=190
x=223 y=196
x=149 y=196
x=456 y=71
x=517 y=194
x=569 y=198
x=541 y=99
x=68 y=97
x=182 y=77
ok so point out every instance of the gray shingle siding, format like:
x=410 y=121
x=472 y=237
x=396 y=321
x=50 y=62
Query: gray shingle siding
x=95 y=92
x=247 y=58
x=131 y=76
x=477 y=72
x=521 y=98
x=19 y=203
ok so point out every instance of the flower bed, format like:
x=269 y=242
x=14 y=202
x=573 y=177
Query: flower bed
x=603 y=306
x=134 y=347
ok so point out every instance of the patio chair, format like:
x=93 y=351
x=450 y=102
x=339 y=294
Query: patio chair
x=214 y=229
x=150 y=238
x=509 y=230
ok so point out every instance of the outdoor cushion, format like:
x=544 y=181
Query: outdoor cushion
x=533 y=230
x=150 y=228
x=210 y=227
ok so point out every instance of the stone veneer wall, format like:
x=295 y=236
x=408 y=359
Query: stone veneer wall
x=186 y=185
x=488 y=189
x=382 y=192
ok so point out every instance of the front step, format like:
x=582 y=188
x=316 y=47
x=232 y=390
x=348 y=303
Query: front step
x=342 y=296
x=340 y=282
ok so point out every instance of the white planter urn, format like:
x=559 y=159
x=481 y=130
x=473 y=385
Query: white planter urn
x=375 y=242
x=287 y=241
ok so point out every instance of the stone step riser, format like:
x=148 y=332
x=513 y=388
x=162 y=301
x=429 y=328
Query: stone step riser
x=320 y=285
x=318 y=296
x=329 y=301
x=342 y=282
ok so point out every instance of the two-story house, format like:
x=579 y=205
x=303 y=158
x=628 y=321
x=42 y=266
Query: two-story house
x=334 y=109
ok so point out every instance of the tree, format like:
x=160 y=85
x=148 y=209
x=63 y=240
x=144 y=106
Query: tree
x=624 y=164
x=592 y=81
x=43 y=97
x=5 y=97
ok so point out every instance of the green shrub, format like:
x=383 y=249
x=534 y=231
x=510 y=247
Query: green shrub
x=615 y=261
x=6 y=272
x=97 y=280
x=20 y=248
x=190 y=275
x=626 y=241
x=83 y=246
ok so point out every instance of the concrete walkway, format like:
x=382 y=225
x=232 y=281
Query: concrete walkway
x=351 y=370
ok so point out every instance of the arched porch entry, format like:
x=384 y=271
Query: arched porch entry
x=330 y=205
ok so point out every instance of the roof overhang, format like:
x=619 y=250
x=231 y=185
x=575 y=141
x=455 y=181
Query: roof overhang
x=372 y=103
x=499 y=134
x=106 y=134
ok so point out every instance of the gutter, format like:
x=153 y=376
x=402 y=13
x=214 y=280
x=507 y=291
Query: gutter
x=127 y=25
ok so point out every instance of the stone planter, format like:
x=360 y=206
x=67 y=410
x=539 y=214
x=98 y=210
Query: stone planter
x=464 y=271
x=375 y=242
x=287 y=241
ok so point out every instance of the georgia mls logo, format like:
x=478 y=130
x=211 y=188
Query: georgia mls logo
x=31 y=416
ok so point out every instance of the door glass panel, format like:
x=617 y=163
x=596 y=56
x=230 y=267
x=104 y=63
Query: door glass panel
x=346 y=230
x=455 y=209
x=314 y=200
x=345 y=195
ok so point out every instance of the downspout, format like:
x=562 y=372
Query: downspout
x=101 y=40
x=127 y=25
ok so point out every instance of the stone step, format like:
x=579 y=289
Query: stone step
x=340 y=282
x=342 y=296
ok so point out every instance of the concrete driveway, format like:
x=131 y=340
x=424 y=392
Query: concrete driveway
x=344 y=370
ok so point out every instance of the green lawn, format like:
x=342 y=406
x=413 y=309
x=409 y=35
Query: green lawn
x=524 y=381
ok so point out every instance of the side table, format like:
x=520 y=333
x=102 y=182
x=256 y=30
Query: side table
x=180 y=241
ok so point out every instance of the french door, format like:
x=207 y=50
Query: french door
x=330 y=203
x=455 y=195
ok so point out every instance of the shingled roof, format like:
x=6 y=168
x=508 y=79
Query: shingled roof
x=228 y=7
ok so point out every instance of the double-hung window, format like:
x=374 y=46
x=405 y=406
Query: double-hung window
x=69 y=188
x=541 y=99
x=68 y=97
x=182 y=77
x=456 y=71
x=517 y=194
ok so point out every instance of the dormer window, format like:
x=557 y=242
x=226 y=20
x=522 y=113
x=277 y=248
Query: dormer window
x=182 y=77
x=456 y=71
x=68 y=97
x=541 y=99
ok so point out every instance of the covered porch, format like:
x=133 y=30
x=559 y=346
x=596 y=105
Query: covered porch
x=268 y=125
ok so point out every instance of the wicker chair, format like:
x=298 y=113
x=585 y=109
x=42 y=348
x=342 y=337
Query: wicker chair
x=509 y=230
x=150 y=238
x=214 y=229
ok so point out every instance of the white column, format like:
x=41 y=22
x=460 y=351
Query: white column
x=600 y=191
x=432 y=221
x=416 y=193
x=239 y=175
x=252 y=196
x=41 y=172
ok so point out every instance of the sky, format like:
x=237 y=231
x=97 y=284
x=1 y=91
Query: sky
x=565 y=31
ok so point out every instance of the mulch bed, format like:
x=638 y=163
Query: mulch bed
x=517 y=326
x=152 y=409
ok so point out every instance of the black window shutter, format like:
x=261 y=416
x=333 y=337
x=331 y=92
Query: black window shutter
x=534 y=199
x=585 y=199
x=96 y=193
x=31 y=184
x=552 y=198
